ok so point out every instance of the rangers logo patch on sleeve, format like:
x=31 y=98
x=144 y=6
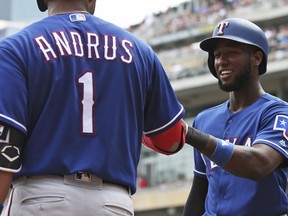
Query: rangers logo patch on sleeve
x=281 y=123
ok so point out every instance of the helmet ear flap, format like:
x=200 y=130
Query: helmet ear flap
x=210 y=62
x=41 y=5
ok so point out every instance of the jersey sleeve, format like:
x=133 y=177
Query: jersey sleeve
x=13 y=100
x=274 y=129
x=162 y=109
x=199 y=164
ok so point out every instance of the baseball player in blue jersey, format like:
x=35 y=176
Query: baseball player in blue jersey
x=78 y=94
x=241 y=145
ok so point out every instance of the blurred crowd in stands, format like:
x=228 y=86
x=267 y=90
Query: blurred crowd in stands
x=189 y=60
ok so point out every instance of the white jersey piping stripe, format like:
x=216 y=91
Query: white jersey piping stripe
x=202 y=156
x=10 y=170
x=12 y=120
x=260 y=141
x=158 y=129
x=201 y=173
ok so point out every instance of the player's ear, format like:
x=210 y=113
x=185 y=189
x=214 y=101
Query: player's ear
x=257 y=57
x=91 y=5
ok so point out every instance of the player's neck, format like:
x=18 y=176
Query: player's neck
x=239 y=101
x=56 y=8
x=67 y=12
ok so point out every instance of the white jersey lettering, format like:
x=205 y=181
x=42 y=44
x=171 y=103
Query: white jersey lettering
x=73 y=45
x=62 y=43
x=112 y=48
x=77 y=44
x=92 y=46
x=126 y=45
x=45 y=48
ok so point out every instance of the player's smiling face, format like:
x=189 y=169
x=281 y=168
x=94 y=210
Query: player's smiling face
x=232 y=64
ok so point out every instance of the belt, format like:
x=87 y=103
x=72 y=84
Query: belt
x=82 y=179
x=121 y=185
x=87 y=177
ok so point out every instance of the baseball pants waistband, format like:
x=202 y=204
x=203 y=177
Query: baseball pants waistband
x=79 y=179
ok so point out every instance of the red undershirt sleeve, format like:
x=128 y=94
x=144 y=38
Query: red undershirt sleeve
x=163 y=142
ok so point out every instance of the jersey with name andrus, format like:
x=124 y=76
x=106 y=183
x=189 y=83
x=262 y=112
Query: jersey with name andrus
x=83 y=90
x=264 y=122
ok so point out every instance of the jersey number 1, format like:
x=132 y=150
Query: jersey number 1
x=86 y=82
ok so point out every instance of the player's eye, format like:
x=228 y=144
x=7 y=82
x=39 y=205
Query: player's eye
x=216 y=55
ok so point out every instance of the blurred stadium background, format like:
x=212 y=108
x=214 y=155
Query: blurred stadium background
x=164 y=181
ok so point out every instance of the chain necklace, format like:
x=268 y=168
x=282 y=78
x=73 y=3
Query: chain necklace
x=68 y=12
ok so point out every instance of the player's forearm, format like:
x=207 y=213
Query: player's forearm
x=214 y=149
x=235 y=162
x=248 y=162
x=254 y=162
x=201 y=141
x=5 y=183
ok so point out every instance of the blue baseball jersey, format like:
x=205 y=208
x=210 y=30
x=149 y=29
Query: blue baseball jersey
x=83 y=91
x=264 y=122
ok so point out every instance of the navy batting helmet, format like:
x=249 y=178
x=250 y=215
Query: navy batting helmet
x=239 y=30
x=41 y=5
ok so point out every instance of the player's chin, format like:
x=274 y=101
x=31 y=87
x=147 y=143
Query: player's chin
x=227 y=78
x=226 y=86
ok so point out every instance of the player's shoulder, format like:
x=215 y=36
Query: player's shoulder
x=222 y=107
x=104 y=27
x=271 y=100
x=270 y=105
x=10 y=43
x=213 y=111
x=111 y=28
x=19 y=37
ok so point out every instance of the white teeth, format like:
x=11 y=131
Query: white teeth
x=225 y=72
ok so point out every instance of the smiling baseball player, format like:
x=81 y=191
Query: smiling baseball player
x=241 y=145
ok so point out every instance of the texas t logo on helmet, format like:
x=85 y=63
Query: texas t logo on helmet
x=221 y=27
